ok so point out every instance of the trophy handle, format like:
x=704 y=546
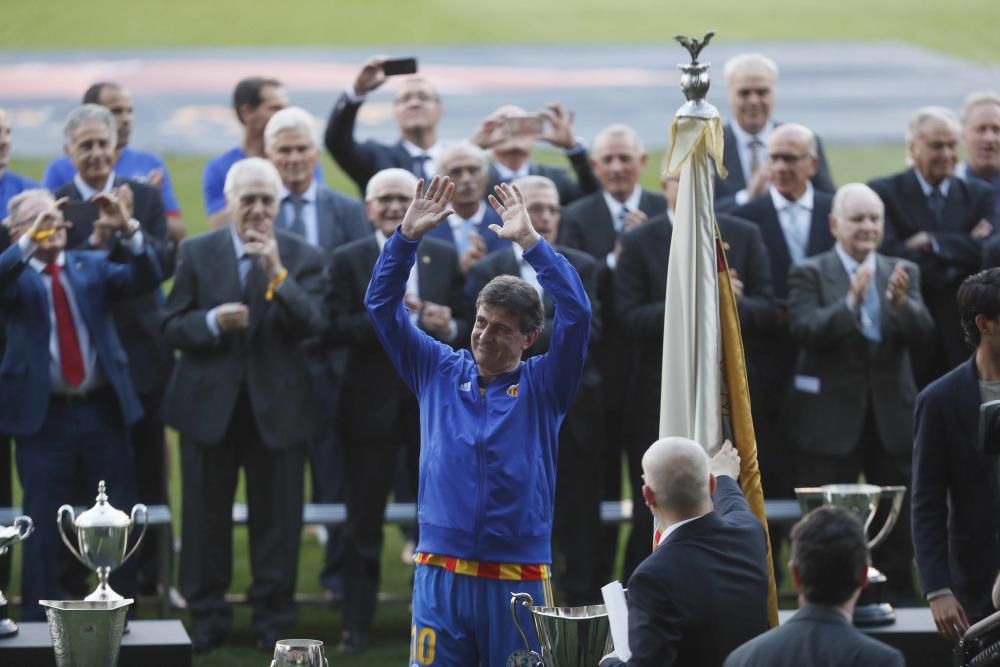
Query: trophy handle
x=139 y=507
x=896 y=493
x=523 y=600
x=62 y=532
x=25 y=526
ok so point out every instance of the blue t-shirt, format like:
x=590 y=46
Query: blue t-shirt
x=10 y=185
x=213 y=181
x=133 y=165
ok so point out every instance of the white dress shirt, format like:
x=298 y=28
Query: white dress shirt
x=309 y=213
x=795 y=218
x=615 y=208
x=461 y=227
x=743 y=140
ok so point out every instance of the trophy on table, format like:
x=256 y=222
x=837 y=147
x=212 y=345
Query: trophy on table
x=299 y=653
x=102 y=534
x=9 y=536
x=864 y=501
x=568 y=636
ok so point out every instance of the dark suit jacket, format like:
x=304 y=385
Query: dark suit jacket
x=852 y=372
x=956 y=528
x=24 y=305
x=373 y=395
x=267 y=358
x=703 y=591
x=361 y=161
x=818 y=636
x=137 y=319
x=570 y=189
x=726 y=189
x=339 y=219
x=991 y=253
x=493 y=242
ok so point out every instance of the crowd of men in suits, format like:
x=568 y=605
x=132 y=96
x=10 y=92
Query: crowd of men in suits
x=263 y=357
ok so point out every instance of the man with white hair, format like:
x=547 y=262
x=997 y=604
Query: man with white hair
x=981 y=136
x=712 y=556
x=940 y=223
x=245 y=298
x=10 y=183
x=750 y=82
x=856 y=316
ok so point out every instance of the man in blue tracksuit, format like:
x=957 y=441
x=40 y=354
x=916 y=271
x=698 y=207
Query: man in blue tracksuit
x=489 y=426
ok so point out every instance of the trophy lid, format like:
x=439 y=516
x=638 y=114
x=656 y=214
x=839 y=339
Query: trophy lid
x=102 y=514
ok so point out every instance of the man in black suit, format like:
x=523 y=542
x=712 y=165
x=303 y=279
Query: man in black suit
x=91 y=140
x=856 y=315
x=511 y=137
x=940 y=223
x=750 y=81
x=376 y=413
x=577 y=517
x=640 y=292
x=594 y=224
x=416 y=108
x=245 y=298
x=981 y=136
x=712 y=556
x=830 y=569
x=956 y=531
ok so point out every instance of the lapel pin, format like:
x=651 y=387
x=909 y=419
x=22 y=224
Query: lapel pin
x=426 y=259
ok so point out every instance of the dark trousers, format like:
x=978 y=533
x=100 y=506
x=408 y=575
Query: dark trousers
x=894 y=557
x=6 y=500
x=326 y=459
x=149 y=453
x=274 y=483
x=78 y=445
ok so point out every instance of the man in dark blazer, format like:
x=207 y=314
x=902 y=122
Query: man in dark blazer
x=66 y=394
x=376 y=413
x=750 y=80
x=579 y=470
x=416 y=109
x=245 y=298
x=712 y=556
x=640 y=292
x=956 y=530
x=940 y=223
x=90 y=145
x=511 y=145
x=856 y=315
x=830 y=569
x=594 y=224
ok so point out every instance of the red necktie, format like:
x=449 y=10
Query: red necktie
x=69 y=346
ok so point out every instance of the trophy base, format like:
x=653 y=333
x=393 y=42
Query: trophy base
x=8 y=628
x=875 y=614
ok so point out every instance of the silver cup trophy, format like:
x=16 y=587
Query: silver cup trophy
x=86 y=634
x=102 y=534
x=9 y=536
x=865 y=501
x=568 y=636
x=299 y=653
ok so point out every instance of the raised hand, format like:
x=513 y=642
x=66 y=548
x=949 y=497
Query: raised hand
x=371 y=75
x=560 y=122
x=517 y=227
x=265 y=247
x=489 y=133
x=427 y=210
x=726 y=461
x=115 y=209
x=48 y=222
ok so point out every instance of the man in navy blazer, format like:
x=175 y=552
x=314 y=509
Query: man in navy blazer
x=416 y=109
x=65 y=391
x=703 y=591
x=956 y=526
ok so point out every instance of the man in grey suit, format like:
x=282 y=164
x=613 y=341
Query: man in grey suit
x=245 y=297
x=830 y=568
x=855 y=315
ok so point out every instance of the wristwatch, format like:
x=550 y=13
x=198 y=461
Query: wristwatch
x=131 y=228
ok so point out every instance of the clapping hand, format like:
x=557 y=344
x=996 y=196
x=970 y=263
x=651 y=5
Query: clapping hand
x=899 y=282
x=859 y=286
x=427 y=210
x=265 y=247
x=517 y=227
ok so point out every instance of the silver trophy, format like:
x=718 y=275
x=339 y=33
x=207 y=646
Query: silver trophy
x=102 y=534
x=86 y=634
x=299 y=653
x=9 y=536
x=864 y=501
x=568 y=636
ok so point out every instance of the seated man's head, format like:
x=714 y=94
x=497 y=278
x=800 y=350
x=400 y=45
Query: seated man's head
x=118 y=101
x=829 y=556
x=677 y=482
x=22 y=211
x=856 y=220
x=292 y=145
x=467 y=166
x=387 y=196
x=932 y=142
x=981 y=133
x=509 y=319
x=750 y=79
x=252 y=189
x=617 y=158
x=791 y=159
x=91 y=136
x=979 y=311
x=255 y=100
x=416 y=108
x=541 y=199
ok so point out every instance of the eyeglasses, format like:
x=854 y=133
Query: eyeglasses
x=385 y=200
x=787 y=158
